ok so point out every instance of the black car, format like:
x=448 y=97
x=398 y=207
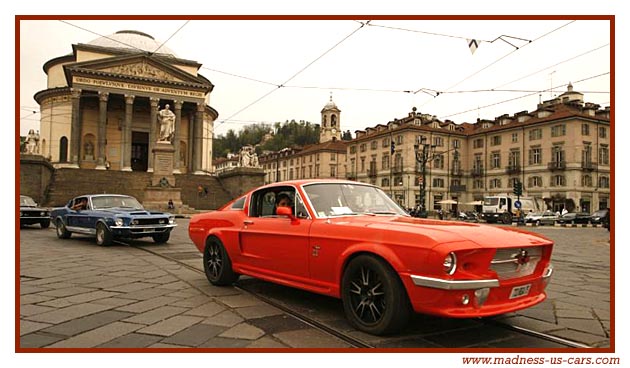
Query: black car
x=574 y=218
x=599 y=217
x=110 y=217
x=31 y=214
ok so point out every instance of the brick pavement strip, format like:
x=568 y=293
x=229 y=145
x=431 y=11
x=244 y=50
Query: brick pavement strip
x=310 y=338
x=97 y=336
x=243 y=331
x=79 y=298
x=155 y=315
x=206 y=310
x=83 y=324
x=26 y=327
x=68 y=313
x=146 y=305
x=171 y=326
x=226 y=319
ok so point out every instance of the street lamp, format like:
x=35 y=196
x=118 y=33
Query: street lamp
x=423 y=156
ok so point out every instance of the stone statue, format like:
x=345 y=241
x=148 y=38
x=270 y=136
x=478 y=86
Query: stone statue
x=32 y=142
x=245 y=157
x=166 y=118
x=254 y=160
x=89 y=150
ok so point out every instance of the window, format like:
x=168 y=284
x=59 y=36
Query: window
x=333 y=171
x=363 y=147
x=398 y=181
x=373 y=145
x=602 y=132
x=362 y=164
x=557 y=154
x=514 y=137
x=385 y=143
x=385 y=162
x=496 y=160
x=558 y=130
x=558 y=181
x=478 y=184
x=535 y=134
x=603 y=155
x=495 y=183
x=457 y=143
x=585 y=129
x=317 y=171
x=514 y=159
x=604 y=182
x=495 y=140
x=587 y=154
x=317 y=157
x=353 y=149
x=438 y=162
x=333 y=157
x=438 y=183
x=438 y=141
x=399 y=139
x=238 y=204
x=478 y=143
x=535 y=156
x=385 y=182
x=535 y=182
x=587 y=181
x=263 y=202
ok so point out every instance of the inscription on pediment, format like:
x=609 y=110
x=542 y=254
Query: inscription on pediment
x=141 y=70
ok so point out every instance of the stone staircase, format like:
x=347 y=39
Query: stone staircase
x=67 y=183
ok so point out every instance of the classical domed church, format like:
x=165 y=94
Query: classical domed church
x=101 y=106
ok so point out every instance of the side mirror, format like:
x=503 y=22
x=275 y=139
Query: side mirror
x=285 y=211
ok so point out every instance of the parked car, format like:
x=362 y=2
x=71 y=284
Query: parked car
x=31 y=214
x=541 y=218
x=110 y=217
x=574 y=218
x=599 y=217
x=349 y=240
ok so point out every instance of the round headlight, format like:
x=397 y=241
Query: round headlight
x=134 y=222
x=42 y=213
x=118 y=222
x=171 y=220
x=450 y=263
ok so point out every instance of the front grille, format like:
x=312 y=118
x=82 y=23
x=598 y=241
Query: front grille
x=32 y=213
x=513 y=263
x=149 y=221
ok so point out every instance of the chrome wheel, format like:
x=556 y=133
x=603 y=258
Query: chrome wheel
x=62 y=232
x=103 y=235
x=214 y=261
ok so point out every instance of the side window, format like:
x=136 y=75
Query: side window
x=264 y=202
x=300 y=208
x=268 y=204
x=238 y=204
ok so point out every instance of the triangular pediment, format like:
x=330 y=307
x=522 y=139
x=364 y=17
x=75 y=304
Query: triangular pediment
x=137 y=67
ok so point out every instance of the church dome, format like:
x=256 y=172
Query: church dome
x=330 y=105
x=131 y=40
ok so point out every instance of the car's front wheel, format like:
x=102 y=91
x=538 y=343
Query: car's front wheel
x=161 y=238
x=103 y=235
x=62 y=232
x=374 y=298
x=45 y=224
x=217 y=264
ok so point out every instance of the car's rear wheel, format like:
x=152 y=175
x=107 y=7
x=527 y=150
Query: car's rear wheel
x=45 y=224
x=537 y=222
x=62 y=232
x=374 y=298
x=217 y=264
x=161 y=238
x=103 y=235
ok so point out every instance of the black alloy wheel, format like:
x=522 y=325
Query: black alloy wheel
x=217 y=264
x=62 y=232
x=374 y=298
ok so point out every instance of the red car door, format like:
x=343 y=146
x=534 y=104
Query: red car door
x=276 y=246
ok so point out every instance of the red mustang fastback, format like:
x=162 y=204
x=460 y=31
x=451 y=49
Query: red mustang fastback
x=349 y=240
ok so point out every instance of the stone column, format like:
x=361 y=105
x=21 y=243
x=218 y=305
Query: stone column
x=126 y=143
x=191 y=134
x=198 y=139
x=152 y=131
x=176 y=133
x=75 y=128
x=102 y=129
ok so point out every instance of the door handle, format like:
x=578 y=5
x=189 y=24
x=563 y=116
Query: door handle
x=248 y=222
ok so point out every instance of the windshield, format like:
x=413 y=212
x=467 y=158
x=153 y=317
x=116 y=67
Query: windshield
x=339 y=199
x=490 y=201
x=101 y=202
x=27 y=201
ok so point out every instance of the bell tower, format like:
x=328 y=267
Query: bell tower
x=330 y=129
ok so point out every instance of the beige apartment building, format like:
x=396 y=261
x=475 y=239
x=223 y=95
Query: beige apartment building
x=560 y=152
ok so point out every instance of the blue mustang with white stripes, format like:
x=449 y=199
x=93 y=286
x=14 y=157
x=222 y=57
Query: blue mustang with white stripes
x=110 y=217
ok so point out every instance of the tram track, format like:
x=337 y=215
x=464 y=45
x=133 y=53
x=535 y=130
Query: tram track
x=362 y=343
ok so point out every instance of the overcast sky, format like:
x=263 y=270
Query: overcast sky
x=375 y=72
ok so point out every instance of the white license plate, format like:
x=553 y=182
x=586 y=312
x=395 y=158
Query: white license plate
x=520 y=291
